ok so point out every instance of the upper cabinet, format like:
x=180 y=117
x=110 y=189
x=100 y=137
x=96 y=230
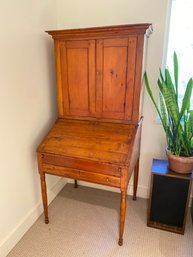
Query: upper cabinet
x=99 y=71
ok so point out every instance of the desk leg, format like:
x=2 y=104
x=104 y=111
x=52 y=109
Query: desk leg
x=75 y=183
x=44 y=197
x=135 y=182
x=122 y=216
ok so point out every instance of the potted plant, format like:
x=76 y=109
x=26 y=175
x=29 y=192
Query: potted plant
x=177 y=120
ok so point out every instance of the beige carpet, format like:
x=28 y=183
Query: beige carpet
x=84 y=223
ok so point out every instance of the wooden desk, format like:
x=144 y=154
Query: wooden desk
x=97 y=135
x=91 y=151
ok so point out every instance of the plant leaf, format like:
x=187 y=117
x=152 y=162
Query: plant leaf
x=161 y=75
x=171 y=87
x=163 y=109
x=186 y=99
x=191 y=121
x=159 y=84
x=170 y=104
x=175 y=59
x=151 y=96
x=164 y=117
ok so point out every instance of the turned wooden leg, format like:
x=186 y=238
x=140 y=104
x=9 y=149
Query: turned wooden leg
x=75 y=183
x=122 y=216
x=135 y=182
x=44 y=197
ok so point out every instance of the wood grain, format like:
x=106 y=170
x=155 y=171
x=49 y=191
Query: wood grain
x=104 y=142
x=77 y=74
x=82 y=175
x=77 y=163
x=138 y=79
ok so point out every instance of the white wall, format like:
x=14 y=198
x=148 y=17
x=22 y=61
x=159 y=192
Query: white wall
x=86 y=13
x=27 y=108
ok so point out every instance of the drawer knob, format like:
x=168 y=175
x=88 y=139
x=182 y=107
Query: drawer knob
x=107 y=179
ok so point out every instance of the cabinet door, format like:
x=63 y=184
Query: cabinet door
x=77 y=77
x=116 y=60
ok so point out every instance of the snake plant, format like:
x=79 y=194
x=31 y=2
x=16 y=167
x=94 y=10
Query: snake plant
x=177 y=120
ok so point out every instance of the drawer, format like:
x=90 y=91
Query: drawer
x=81 y=175
x=80 y=164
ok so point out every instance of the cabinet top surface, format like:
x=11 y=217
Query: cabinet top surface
x=161 y=167
x=143 y=28
x=97 y=141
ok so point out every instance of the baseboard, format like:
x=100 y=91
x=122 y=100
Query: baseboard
x=142 y=191
x=22 y=227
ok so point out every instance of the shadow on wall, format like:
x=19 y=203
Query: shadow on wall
x=47 y=110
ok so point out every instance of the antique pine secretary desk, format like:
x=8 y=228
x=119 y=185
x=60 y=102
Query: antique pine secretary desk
x=96 y=137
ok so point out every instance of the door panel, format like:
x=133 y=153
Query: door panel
x=77 y=60
x=114 y=79
x=115 y=85
x=78 y=77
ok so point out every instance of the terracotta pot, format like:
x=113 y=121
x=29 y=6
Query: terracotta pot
x=180 y=164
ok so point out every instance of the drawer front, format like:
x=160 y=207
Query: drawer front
x=81 y=175
x=87 y=165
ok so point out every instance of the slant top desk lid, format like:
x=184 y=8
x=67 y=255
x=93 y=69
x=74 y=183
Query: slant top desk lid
x=90 y=140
